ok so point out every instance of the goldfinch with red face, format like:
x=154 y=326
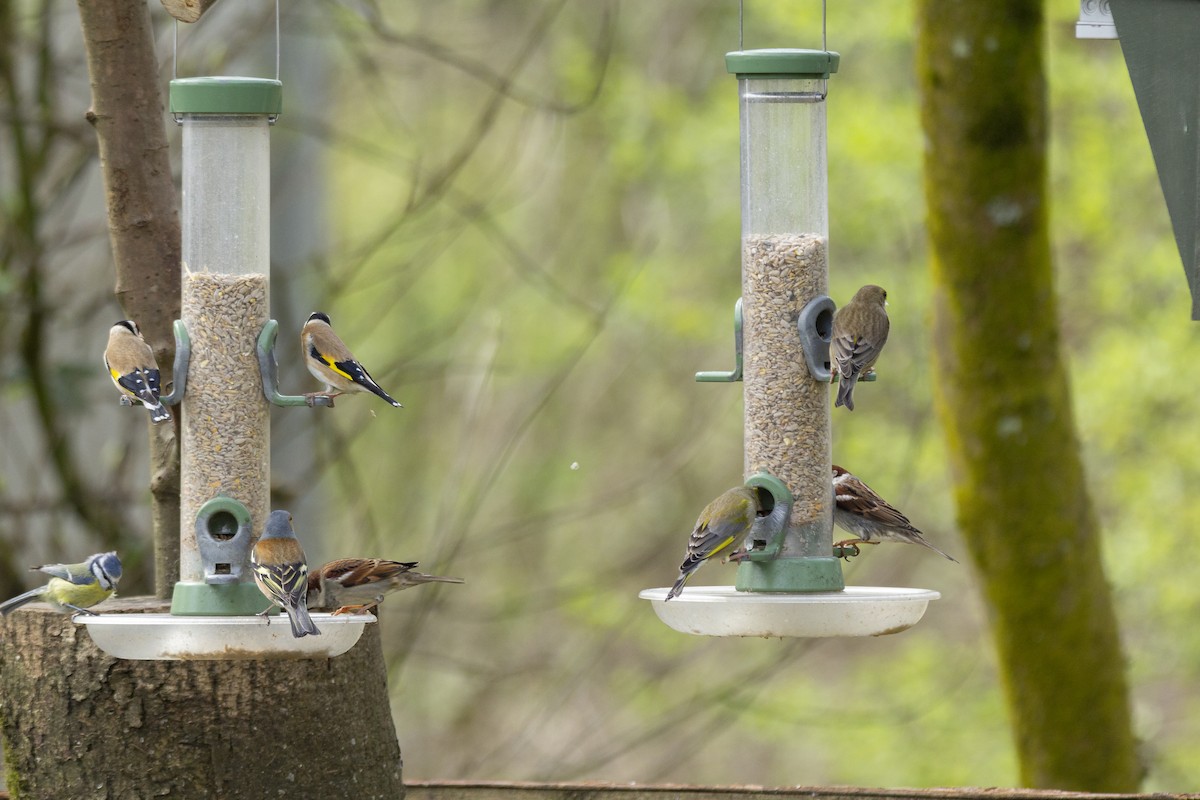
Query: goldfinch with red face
x=332 y=363
x=281 y=572
x=357 y=585
x=134 y=371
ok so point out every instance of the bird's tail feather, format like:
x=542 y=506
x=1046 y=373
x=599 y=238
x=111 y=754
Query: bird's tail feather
x=375 y=389
x=14 y=603
x=689 y=565
x=436 y=579
x=921 y=540
x=158 y=412
x=302 y=624
x=845 y=394
x=678 y=587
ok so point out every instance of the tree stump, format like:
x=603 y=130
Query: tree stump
x=77 y=723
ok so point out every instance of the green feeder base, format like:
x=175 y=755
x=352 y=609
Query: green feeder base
x=792 y=575
x=218 y=600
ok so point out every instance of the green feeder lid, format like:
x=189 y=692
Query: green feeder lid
x=782 y=63
x=224 y=95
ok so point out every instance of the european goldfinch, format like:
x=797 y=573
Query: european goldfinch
x=860 y=330
x=134 y=371
x=720 y=529
x=332 y=363
x=73 y=588
x=281 y=572
x=858 y=510
x=356 y=585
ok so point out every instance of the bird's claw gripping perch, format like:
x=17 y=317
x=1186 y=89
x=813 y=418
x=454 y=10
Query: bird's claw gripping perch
x=846 y=550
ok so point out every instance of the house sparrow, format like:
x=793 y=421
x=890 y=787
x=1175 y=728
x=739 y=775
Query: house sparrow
x=858 y=510
x=721 y=528
x=332 y=363
x=357 y=585
x=73 y=587
x=860 y=330
x=281 y=573
x=134 y=371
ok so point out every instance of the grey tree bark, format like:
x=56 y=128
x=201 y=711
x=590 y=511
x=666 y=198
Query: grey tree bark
x=77 y=723
x=143 y=223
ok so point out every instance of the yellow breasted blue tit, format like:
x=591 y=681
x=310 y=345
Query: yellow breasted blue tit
x=73 y=588
x=332 y=363
x=281 y=572
x=133 y=368
x=720 y=529
x=356 y=585
x=860 y=330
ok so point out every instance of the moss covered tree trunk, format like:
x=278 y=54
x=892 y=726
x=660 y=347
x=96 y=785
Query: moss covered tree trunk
x=1004 y=400
x=77 y=723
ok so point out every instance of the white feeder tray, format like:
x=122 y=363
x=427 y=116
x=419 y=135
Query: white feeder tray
x=167 y=637
x=856 y=611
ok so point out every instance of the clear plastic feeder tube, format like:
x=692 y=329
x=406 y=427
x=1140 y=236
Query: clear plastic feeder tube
x=226 y=290
x=785 y=224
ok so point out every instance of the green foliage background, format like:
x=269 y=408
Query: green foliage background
x=533 y=214
x=552 y=297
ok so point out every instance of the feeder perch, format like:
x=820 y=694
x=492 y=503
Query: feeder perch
x=734 y=374
x=225 y=431
x=789 y=579
x=269 y=370
x=183 y=359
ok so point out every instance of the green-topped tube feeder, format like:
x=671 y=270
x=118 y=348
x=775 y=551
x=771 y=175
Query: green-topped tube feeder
x=225 y=442
x=789 y=583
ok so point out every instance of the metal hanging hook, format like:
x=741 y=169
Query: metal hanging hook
x=824 y=35
x=175 y=46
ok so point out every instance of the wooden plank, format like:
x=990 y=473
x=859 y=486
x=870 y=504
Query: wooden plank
x=506 y=790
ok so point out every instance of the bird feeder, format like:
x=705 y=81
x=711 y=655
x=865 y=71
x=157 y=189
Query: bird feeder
x=225 y=442
x=790 y=582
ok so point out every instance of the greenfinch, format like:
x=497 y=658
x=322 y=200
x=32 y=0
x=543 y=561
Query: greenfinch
x=721 y=528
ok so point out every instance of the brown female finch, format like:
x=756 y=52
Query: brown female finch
x=858 y=510
x=860 y=330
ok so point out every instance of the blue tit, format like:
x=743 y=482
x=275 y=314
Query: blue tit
x=356 y=585
x=281 y=572
x=332 y=363
x=721 y=528
x=73 y=588
x=860 y=330
x=133 y=369
x=858 y=510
